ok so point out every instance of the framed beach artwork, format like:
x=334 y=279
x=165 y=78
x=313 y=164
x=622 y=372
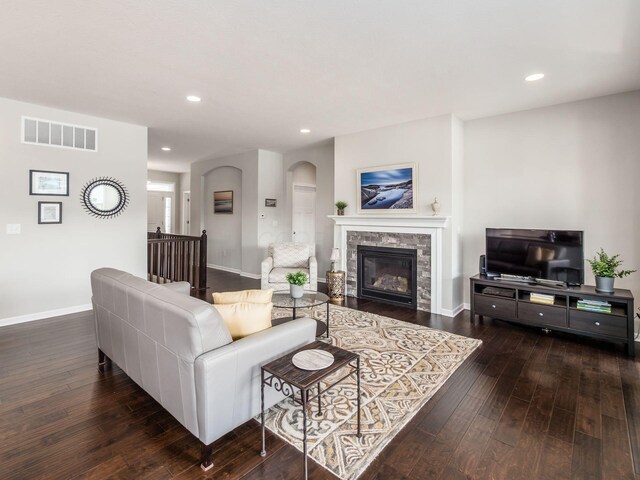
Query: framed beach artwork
x=223 y=202
x=389 y=189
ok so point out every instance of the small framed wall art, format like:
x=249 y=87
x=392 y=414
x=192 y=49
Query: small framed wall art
x=223 y=201
x=49 y=212
x=43 y=182
x=270 y=202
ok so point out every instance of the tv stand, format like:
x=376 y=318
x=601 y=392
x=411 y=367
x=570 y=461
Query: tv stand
x=513 y=304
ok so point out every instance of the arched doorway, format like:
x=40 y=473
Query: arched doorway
x=224 y=226
x=302 y=187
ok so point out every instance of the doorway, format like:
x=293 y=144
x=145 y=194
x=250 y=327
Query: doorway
x=303 y=220
x=160 y=206
x=186 y=212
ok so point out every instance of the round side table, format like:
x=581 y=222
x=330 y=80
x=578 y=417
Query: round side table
x=335 y=285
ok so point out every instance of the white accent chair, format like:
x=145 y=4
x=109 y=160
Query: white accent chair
x=284 y=258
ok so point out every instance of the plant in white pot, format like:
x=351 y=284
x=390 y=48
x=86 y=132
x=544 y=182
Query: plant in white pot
x=605 y=268
x=296 y=283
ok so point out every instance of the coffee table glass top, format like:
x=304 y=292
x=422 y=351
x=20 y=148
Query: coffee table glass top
x=309 y=299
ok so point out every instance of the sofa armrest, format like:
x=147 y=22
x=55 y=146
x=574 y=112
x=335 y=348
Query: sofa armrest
x=179 y=287
x=228 y=378
x=265 y=269
x=313 y=273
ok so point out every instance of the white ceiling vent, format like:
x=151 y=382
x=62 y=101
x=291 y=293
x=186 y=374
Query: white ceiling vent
x=53 y=134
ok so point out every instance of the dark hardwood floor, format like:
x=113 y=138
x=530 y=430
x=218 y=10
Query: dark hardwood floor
x=526 y=405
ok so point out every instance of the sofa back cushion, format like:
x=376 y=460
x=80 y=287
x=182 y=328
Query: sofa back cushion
x=292 y=255
x=245 y=318
x=183 y=324
x=249 y=296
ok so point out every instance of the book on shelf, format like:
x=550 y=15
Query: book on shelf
x=593 y=306
x=595 y=303
x=542 y=298
x=543 y=302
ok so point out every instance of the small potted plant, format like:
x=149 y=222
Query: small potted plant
x=341 y=206
x=605 y=268
x=296 y=283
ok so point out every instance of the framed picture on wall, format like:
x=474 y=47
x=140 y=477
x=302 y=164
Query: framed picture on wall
x=270 y=202
x=49 y=212
x=223 y=201
x=390 y=189
x=43 y=182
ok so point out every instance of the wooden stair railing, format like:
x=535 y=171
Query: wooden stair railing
x=177 y=258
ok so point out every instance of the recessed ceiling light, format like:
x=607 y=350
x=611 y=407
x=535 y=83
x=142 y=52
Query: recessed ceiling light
x=193 y=98
x=305 y=130
x=166 y=149
x=533 y=77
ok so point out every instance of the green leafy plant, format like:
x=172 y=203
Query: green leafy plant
x=341 y=205
x=604 y=265
x=298 y=278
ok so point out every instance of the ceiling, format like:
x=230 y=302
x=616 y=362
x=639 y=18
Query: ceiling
x=266 y=69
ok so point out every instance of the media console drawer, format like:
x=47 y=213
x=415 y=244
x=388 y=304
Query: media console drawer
x=495 y=307
x=601 y=323
x=542 y=314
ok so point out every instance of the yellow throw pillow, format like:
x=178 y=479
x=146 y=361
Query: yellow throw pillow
x=245 y=318
x=249 y=296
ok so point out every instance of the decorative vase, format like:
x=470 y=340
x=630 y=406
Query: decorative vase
x=604 y=284
x=341 y=211
x=435 y=206
x=297 y=291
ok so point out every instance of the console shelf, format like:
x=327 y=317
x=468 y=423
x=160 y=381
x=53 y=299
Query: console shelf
x=511 y=301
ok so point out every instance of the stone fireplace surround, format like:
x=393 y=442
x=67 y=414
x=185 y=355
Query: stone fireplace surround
x=403 y=231
x=413 y=241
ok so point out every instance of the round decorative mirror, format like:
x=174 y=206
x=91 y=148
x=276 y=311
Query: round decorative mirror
x=104 y=197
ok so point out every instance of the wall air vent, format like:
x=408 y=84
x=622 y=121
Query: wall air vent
x=54 y=134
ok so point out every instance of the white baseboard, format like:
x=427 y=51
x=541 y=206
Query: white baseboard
x=452 y=313
x=42 y=315
x=224 y=269
x=255 y=276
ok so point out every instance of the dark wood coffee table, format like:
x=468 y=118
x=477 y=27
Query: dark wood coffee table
x=302 y=385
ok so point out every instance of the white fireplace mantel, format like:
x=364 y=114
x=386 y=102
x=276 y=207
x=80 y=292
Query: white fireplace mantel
x=421 y=224
x=416 y=221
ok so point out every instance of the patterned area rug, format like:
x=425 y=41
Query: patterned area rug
x=402 y=366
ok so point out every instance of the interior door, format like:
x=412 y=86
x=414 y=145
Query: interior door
x=155 y=211
x=304 y=214
x=186 y=212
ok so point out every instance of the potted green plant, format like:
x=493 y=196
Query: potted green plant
x=296 y=283
x=340 y=205
x=605 y=268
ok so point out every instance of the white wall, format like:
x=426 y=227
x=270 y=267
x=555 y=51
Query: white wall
x=320 y=155
x=45 y=269
x=170 y=177
x=570 y=166
x=435 y=146
x=224 y=231
x=270 y=185
x=248 y=164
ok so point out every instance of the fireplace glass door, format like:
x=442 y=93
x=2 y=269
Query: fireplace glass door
x=387 y=274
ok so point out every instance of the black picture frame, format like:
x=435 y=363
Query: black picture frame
x=35 y=187
x=43 y=218
x=223 y=202
x=270 y=202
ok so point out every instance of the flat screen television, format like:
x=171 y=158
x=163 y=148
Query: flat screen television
x=556 y=255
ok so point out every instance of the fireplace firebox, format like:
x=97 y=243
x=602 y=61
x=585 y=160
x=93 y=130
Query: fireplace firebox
x=388 y=275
